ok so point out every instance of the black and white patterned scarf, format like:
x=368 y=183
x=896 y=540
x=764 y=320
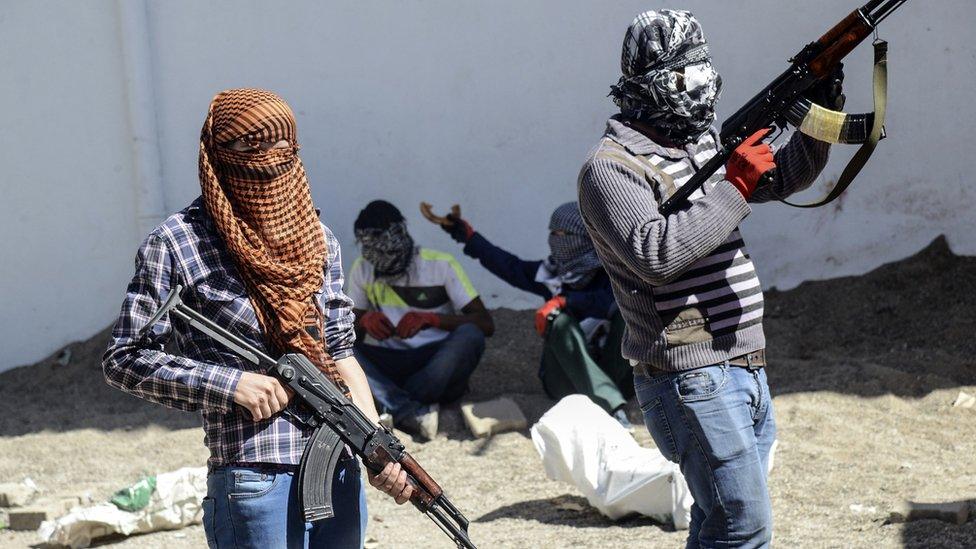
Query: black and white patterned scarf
x=572 y=260
x=668 y=80
x=388 y=250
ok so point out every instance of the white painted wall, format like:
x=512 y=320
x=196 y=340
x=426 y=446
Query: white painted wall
x=67 y=206
x=490 y=104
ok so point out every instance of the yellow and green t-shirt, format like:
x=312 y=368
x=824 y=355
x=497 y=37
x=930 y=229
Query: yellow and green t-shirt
x=434 y=282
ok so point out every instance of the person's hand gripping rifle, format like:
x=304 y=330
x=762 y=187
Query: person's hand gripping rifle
x=337 y=423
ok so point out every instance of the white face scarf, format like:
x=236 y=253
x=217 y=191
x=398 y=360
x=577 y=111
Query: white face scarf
x=658 y=48
x=698 y=76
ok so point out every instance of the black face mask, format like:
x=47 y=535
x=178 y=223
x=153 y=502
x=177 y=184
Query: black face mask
x=388 y=250
x=572 y=256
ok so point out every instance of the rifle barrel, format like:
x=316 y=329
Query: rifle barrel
x=869 y=7
x=814 y=62
x=876 y=17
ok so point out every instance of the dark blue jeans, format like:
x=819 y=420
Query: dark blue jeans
x=403 y=380
x=250 y=507
x=717 y=423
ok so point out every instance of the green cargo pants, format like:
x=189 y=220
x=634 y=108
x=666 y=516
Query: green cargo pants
x=569 y=368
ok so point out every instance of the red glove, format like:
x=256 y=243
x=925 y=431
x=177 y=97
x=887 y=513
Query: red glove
x=542 y=314
x=460 y=230
x=376 y=324
x=412 y=322
x=748 y=162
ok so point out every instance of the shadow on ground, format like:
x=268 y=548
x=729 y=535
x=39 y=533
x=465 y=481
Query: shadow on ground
x=935 y=534
x=567 y=510
x=72 y=394
x=905 y=328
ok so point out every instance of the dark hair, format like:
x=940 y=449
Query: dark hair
x=378 y=214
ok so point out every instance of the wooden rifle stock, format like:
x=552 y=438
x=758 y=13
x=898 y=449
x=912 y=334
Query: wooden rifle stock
x=840 y=41
x=770 y=106
x=425 y=488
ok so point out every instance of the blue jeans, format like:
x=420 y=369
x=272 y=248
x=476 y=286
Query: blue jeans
x=260 y=508
x=403 y=380
x=717 y=423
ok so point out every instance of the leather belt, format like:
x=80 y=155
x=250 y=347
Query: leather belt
x=751 y=361
x=262 y=467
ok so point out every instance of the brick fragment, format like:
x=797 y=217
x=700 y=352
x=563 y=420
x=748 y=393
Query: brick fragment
x=493 y=416
x=29 y=518
x=955 y=512
x=16 y=494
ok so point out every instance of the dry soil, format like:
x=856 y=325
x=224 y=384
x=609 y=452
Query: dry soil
x=864 y=371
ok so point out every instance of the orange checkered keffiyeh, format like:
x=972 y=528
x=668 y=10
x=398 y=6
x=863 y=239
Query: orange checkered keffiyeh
x=261 y=204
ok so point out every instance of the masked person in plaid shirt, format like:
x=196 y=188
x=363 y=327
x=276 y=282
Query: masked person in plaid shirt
x=252 y=255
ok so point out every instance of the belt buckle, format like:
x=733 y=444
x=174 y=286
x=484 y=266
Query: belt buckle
x=754 y=361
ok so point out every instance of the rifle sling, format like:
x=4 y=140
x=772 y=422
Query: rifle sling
x=639 y=164
x=877 y=130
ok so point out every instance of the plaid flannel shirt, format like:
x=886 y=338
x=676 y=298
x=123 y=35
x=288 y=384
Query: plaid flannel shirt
x=186 y=249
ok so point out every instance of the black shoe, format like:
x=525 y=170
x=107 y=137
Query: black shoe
x=422 y=424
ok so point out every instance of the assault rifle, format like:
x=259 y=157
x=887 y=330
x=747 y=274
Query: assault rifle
x=337 y=422
x=782 y=102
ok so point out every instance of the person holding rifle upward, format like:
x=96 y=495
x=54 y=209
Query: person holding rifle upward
x=685 y=284
x=252 y=255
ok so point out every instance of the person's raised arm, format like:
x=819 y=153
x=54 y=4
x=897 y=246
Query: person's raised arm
x=499 y=262
x=622 y=211
x=800 y=161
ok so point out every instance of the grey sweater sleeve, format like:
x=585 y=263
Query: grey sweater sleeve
x=798 y=163
x=622 y=209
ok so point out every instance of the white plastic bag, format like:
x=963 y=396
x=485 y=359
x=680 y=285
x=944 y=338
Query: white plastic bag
x=582 y=445
x=177 y=502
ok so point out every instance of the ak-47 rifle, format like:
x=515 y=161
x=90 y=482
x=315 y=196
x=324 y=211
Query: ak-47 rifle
x=782 y=102
x=337 y=422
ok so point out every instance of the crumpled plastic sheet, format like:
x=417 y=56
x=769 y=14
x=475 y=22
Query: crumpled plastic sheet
x=176 y=503
x=581 y=445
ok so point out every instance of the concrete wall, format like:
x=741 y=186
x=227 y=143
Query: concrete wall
x=67 y=206
x=489 y=104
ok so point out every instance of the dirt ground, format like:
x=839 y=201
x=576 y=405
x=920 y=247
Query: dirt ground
x=864 y=372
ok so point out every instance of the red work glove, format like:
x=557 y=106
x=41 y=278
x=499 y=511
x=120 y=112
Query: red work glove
x=412 y=322
x=748 y=162
x=460 y=230
x=542 y=314
x=376 y=324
